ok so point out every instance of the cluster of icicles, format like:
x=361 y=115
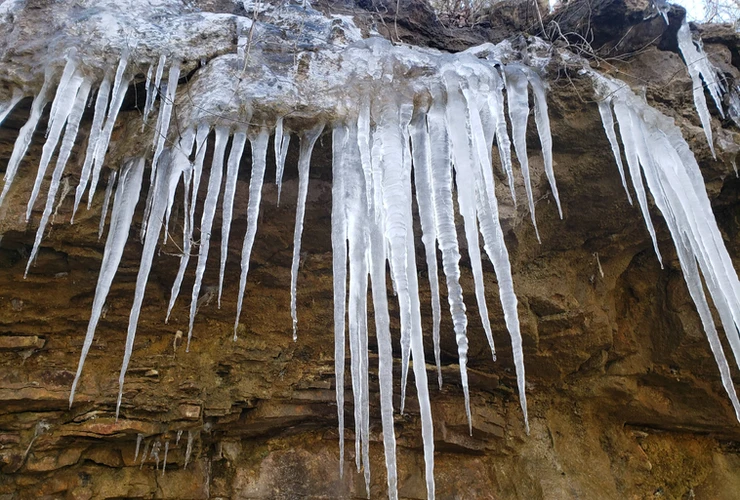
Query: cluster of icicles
x=446 y=138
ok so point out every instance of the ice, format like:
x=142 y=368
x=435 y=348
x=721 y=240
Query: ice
x=167 y=177
x=425 y=199
x=206 y=222
x=700 y=68
x=542 y=120
x=106 y=202
x=518 y=100
x=8 y=106
x=496 y=104
x=25 y=134
x=282 y=141
x=363 y=134
x=124 y=205
x=144 y=455
x=70 y=71
x=120 y=85
x=607 y=119
x=181 y=155
x=188 y=449
x=93 y=141
x=227 y=207
x=152 y=87
x=139 y=437
x=339 y=271
x=166 y=451
x=258 y=142
x=165 y=112
x=70 y=134
x=308 y=140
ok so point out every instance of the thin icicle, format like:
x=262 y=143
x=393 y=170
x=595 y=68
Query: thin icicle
x=339 y=271
x=165 y=112
x=166 y=451
x=542 y=120
x=139 y=437
x=93 y=141
x=282 y=141
x=425 y=199
x=152 y=87
x=75 y=114
x=308 y=140
x=201 y=145
x=124 y=205
x=258 y=142
x=177 y=438
x=181 y=155
x=607 y=120
x=120 y=85
x=149 y=96
x=144 y=455
x=188 y=449
x=70 y=71
x=8 y=106
x=518 y=100
x=496 y=105
x=106 y=202
x=167 y=177
x=227 y=206
x=206 y=222
x=363 y=133
x=25 y=134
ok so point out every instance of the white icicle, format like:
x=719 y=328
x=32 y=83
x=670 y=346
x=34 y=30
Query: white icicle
x=120 y=86
x=144 y=455
x=518 y=100
x=181 y=155
x=188 y=449
x=542 y=120
x=93 y=141
x=149 y=96
x=106 y=202
x=8 y=106
x=339 y=271
x=124 y=205
x=167 y=176
x=139 y=437
x=700 y=68
x=70 y=70
x=25 y=134
x=227 y=206
x=201 y=145
x=75 y=114
x=66 y=101
x=206 y=222
x=166 y=451
x=165 y=113
x=607 y=120
x=363 y=133
x=425 y=199
x=282 y=141
x=152 y=87
x=258 y=142
x=177 y=438
x=308 y=140
x=496 y=105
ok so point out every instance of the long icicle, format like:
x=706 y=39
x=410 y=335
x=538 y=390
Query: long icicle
x=124 y=206
x=308 y=140
x=106 y=202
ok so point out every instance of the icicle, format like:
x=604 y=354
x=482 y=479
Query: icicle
x=66 y=188
x=308 y=140
x=75 y=114
x=124 y=205
x=181 y=155
x=93 y=141
x=167 y=177
x=25 y=134
x=177 y=438
x=425 y=198
x=166 y=451
x=206 y=222
x=227 y=207
x=363 y=134
x=120 y=85
x=700 y=68
x=201 y=144
x=496 y=105
x=155 y=453
x=258 y=142
x=607 y=120
x=518 y=100
x=444 y=216
x=149 y=96
x=106 y=202
x=188 y=449
x=139 y=437
x=144 y=455
x=70 y=71
x=152 y=88
x=282 y=141
x=339 y=271
x=165 y=112
x=8 y=106
x=542 y=120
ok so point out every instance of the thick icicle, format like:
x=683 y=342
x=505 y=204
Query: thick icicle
x=518 y=100
x=227 y=206
x=542 y=120
x=339 y=271
x=106 y=202
x=25 y=134
x=124 y=205
x=120 y=85
x=206 y=222
x=700 y=68
x=70 y=134
x=308 y=140
x=425 y=199
x=258 y=142
x=282 y=141
x=93 y=141
x=167 y=178
x=607 y=120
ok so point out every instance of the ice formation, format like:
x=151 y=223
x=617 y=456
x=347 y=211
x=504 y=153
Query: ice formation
x=398 y=116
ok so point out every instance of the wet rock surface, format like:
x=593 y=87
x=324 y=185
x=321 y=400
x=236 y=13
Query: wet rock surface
x=625 y=397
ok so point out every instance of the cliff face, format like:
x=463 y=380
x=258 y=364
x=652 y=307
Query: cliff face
x=624 y=395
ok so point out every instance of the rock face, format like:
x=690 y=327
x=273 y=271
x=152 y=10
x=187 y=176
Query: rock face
x=625 y=398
